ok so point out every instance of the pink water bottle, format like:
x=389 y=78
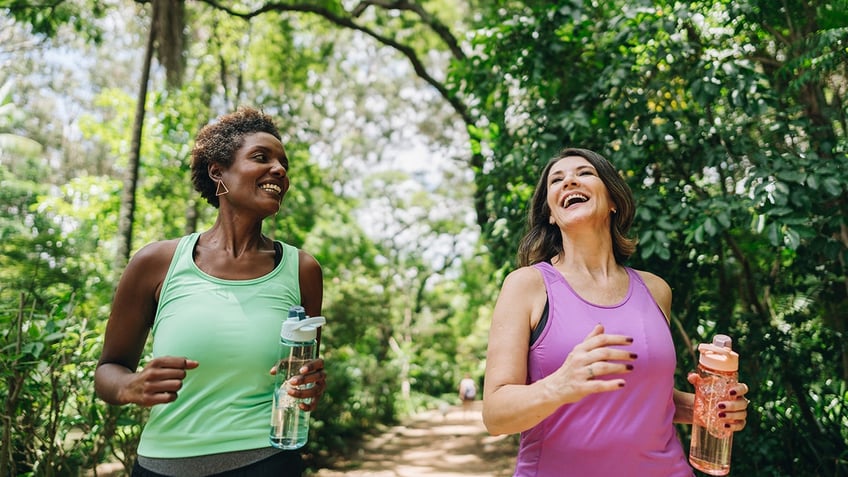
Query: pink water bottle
x=718 y=369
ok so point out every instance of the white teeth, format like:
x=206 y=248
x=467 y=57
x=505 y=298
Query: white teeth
x=271 y=188
x=573 y=199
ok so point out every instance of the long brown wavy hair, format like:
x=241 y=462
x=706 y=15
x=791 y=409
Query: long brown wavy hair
x=543 y=240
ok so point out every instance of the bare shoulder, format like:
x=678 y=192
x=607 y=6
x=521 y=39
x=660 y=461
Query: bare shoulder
x=522 y=298
x=660 y=290
x=158 y=249
x=307 y=262
x=147 y=268
x=526 y=279
x=155 y=254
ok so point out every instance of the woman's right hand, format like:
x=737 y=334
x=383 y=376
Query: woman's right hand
x=586 y=367
x=158 y=382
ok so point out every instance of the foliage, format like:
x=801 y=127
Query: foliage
x=48 y=18
x=50 y=344
x=727 y=118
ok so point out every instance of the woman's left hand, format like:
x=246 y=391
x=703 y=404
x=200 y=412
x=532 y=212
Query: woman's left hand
x=311 y=373
x=733 y=412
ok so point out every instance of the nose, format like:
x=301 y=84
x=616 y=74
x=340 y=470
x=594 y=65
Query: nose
x=569 y=179
x=278 y=169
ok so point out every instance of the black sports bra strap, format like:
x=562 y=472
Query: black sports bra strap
x=278 y=253
x=537 y=331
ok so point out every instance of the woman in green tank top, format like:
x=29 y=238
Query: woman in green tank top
x=213 y=303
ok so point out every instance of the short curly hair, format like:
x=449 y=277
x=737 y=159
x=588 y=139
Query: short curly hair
x=218 y=141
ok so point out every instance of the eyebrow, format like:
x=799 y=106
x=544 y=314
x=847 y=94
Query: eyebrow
x=578 y=169
x=263 y=148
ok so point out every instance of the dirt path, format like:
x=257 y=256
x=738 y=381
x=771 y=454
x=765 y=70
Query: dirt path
x=447 y=443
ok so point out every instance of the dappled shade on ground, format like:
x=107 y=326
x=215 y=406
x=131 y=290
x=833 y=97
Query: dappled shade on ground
x=438 y=443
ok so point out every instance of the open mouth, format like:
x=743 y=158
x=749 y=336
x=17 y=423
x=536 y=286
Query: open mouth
x=574 y=199
x=271 y=188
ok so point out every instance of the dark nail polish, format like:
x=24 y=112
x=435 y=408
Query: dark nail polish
x=727 y=426
x=630 y=367
x=633 y=355
x=722 y=415
x=733 y=392
x=621 y=385
x=629 y=340
x=722 y=406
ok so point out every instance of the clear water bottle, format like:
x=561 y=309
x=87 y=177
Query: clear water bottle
x=298 y=346
x=718 y=368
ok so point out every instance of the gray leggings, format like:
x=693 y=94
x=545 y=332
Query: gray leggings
x=281 y=464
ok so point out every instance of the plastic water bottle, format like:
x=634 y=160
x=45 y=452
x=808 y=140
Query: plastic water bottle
x=711 y=442
x=298 y=346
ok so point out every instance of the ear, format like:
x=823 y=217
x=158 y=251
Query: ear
x=214 y=171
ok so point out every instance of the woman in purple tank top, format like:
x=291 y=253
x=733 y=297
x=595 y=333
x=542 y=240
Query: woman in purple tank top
x=580 y=359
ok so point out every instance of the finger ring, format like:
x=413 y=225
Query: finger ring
x=591 y=373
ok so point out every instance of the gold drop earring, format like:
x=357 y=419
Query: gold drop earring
x=221 y=189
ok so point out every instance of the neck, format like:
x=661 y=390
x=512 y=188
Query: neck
x=589 y=254
x=235 y=237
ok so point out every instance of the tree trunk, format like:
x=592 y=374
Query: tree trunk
x=125 y=225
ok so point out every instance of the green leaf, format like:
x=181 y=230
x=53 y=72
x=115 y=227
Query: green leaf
x=792 y=239
x=710 y=227
x=797 y=177
x=833 y=186
x=773 y=234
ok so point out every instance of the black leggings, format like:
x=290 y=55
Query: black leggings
x=281 y=464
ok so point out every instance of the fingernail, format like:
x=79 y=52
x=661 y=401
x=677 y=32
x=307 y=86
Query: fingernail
x=629 y=340
x=721 y=414
x=621 y=385
x=633 y=355
x=722 y=406
x=630 y=367
x=733 y=392
x=727 y=426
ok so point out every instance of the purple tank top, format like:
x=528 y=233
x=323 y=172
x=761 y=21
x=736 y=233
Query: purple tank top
x=628 y=432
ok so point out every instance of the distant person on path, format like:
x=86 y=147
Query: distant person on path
x=214 y=303
x=467 y=393
x=580 y=358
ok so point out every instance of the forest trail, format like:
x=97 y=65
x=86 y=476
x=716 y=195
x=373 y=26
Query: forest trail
x=439 y=443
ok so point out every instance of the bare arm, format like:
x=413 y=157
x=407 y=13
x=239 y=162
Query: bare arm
x=510 y=405
x=684 y=403
x=133 y=308
x=734 y=411
x=311 y=297
x=311 y=285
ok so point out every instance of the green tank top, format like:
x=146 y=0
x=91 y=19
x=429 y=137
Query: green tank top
x=232 y=328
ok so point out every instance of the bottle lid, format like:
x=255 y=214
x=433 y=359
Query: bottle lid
x=718 y=355
x=300 y=328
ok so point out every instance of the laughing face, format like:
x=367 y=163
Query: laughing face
x=576 y=191
x=258 y=178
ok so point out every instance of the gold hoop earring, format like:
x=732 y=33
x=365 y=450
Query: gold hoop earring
x=221 y=189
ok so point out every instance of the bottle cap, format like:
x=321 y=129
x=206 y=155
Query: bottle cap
x=300 y=328
x=718 y=355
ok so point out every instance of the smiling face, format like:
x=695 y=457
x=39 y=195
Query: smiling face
x=576 y=191
x=258 y=178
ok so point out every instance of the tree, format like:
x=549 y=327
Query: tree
x=732 y=135
x=726 y=117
